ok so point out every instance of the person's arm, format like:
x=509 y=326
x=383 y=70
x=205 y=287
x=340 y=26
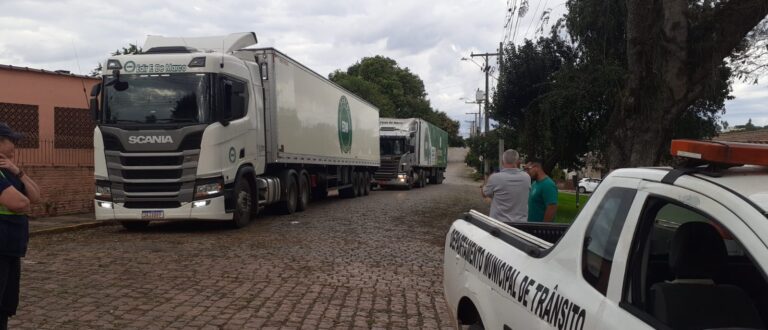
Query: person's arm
x=549 y=214
x=11 y=198
x=32 y=189
x=550 y=199
x=487 y=188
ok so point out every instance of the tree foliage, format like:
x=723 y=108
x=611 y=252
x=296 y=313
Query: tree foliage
x=131 y=49
x=597 y=84
x=397 y=92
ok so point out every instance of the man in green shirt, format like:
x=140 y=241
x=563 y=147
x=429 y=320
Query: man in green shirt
x=542 y=202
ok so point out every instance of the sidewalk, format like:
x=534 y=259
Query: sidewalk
x=64 y=223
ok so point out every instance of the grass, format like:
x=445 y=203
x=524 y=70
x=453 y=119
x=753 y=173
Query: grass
x=566 y=206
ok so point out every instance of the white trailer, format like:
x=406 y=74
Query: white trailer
x=413 y=152
x=212 y=129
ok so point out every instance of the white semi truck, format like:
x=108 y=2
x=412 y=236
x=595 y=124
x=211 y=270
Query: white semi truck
x=413 y=152
x=214 y=129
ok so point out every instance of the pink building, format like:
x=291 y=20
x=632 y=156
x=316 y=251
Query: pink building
x=51 y=109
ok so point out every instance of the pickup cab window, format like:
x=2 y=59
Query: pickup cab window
x=602 y=236
x=687 y=270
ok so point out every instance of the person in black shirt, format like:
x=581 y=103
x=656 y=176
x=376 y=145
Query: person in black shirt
x=17 y=192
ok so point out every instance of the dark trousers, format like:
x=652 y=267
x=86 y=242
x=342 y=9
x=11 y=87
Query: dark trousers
x=10 y=275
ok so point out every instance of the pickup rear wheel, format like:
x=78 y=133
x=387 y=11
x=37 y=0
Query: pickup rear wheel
x=243 y=204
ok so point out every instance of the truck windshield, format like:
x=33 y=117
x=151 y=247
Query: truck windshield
x=390 y=146
x=158 y=99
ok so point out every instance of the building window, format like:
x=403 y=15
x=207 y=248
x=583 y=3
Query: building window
x=23 y=118
x=73 y=128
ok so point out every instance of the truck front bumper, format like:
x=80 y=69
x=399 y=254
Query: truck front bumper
x=400 y=181
x=213 y=210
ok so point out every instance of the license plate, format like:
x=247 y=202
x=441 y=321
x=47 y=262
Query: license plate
x=152 y=215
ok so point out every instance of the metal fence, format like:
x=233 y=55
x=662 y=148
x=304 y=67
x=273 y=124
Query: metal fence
x=46 y=154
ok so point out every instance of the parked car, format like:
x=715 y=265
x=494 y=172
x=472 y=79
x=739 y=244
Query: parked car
x=588 y=185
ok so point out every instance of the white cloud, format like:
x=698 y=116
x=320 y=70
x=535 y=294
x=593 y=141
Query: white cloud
x=428 y=37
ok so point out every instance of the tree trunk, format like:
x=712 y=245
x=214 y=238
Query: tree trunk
x=663 y=80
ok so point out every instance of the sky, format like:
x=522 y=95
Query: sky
x=430 y=37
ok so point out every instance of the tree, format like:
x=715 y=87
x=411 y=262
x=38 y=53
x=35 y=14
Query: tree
x=131 y=49
x=674 y=48
x=397 y=92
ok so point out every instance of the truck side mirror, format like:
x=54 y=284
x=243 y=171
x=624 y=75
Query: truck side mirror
x=412 y=149
x=94 y=106
x=95 y=90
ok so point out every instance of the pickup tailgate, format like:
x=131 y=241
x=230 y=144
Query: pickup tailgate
x=508 y=277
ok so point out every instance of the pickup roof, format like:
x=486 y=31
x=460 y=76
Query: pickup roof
x=653 y=248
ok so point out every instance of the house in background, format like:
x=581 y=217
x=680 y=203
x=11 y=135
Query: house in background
x=753 y=136
x=51 y=110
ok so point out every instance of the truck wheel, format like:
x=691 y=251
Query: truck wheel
x=366 y=183
x=303 y=192
x=243 y=204
x=409 y=186
x=421 y=181
x=134 y=225
x=350 y=192
x=288 y=206
x=360 y=190
x=439 y=177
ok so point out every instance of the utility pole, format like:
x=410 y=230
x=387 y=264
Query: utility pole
x=486 y=69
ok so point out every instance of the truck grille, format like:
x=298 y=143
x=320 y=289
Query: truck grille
x=152 y=175
x=388 y=169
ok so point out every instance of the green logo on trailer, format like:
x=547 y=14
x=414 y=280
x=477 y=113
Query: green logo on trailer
x=345 y=126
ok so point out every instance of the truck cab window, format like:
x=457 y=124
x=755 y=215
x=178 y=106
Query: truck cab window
x=234 y=98
x=602 y=236
x=686 y=270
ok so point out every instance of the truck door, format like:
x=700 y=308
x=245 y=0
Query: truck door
x=670 y=280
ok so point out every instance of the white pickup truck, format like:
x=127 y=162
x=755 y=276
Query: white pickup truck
x=682 y=248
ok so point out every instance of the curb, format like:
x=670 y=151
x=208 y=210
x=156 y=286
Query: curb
x=65 y=229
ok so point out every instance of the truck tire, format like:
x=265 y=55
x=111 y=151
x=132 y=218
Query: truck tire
x=409 y=186
x=421 y=182
x=366 y=183
x=243 y=203
x=288 y=206
x=134 y=225
x=350 y=192
x=439 y=177
x=360 y=180
x=304 y=191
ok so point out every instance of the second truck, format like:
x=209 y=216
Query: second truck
x=413 y=153
x=214 y=129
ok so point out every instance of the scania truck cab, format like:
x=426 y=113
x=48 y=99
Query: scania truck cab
x=200 y=128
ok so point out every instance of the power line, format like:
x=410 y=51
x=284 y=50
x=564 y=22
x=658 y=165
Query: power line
x=533 y=18
x=520 y=13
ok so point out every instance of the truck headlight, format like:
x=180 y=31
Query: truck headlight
x=402 y=177
x=103 y=191
x=208 y=188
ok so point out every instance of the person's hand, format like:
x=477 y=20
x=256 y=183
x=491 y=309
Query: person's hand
x=7 y=164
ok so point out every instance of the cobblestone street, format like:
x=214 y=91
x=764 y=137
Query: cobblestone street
x=370 y=262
